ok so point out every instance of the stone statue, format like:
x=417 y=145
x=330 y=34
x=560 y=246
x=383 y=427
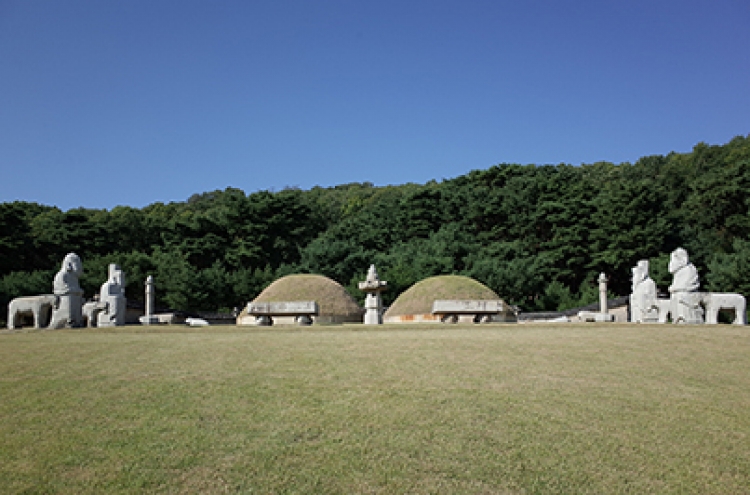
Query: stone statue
x=685 y=274
x=686 y=304
x=39 y=307
x=112 y=293
x=643 y=308
x=68 y=313
x=66 y=304
x=685 y=300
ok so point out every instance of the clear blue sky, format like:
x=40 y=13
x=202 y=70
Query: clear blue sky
x=106 y=103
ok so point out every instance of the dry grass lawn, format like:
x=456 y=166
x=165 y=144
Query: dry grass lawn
x=510 y=409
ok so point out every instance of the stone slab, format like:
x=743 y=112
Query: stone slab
x=453 y=306
x=292 y=308
x=596 y=317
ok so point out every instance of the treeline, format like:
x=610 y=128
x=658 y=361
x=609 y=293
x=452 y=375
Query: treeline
x=537 y=235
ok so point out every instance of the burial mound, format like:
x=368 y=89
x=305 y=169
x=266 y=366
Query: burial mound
x=415 y=304
x=336 y=305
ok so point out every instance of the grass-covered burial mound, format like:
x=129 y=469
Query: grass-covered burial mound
x=415 y=304
x=336 y=305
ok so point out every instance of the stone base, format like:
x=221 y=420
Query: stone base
x=596 y=317
x=372 y=317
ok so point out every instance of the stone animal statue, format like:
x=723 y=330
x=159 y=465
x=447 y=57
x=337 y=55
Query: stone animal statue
x=40 y=307
x=715 y=301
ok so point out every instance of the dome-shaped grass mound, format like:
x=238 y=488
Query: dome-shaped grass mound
x=335 y=304
x=418 y=299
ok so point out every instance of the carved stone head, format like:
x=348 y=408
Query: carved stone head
x=640 y=272
x=678 y=259
x=72 y=264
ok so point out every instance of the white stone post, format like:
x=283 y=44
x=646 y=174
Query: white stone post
x=149 y=296
x=603 y=293
x=149 y=318
x=603 y=314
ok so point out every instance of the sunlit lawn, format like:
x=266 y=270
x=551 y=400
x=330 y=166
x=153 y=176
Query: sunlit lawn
x=400 y=409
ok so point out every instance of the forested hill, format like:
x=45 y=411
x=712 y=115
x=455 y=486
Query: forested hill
x=537 y=235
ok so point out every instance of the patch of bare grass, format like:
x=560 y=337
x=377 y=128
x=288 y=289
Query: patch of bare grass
x=491 y=409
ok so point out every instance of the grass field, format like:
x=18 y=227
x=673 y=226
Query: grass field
x=476 y=409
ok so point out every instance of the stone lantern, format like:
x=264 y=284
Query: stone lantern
x=373 y=286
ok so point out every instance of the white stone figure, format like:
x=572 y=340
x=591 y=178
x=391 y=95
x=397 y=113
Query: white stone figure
x=149 y=318
x=643 y=308
x=112 y=294
x=68 y=313
x=373 y=286
x=685 y=300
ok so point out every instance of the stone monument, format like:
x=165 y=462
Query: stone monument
x=66 y=304
x=68 y=312
x=685 y=304
x=373 y=286
x=603 y=315
x=643 y=307
x=149 y=318
x=685 y=299
x=112 y=294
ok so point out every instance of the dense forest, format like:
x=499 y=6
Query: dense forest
x=537 y=235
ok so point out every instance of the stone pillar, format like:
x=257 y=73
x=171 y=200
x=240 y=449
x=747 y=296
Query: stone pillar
x=149 y=318
x=603 y=294
x=149 y=296
x=373 y=286
x=603 y=314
